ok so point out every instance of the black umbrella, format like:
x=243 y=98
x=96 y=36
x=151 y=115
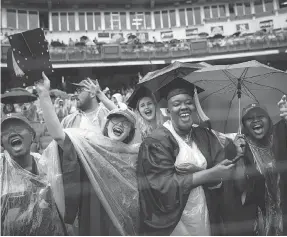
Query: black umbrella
x=148 y=43
x=17 y=96
x=131 y=36
x=203 y=34
x=217 y=36
x=236 y=34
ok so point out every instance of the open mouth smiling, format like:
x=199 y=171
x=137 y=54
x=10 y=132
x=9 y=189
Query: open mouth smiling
x=148 y=112
x=16 y=142
x=257 y=128
x=118 y=131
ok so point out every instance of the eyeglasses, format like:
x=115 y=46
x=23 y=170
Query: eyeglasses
x=80 y=89
x=124 y=122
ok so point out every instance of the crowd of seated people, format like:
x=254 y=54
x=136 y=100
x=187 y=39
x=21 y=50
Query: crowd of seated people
x=87 y=48
x=134 y=45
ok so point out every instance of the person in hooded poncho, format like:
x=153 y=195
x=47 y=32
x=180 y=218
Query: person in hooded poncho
x=180 y=172
x=30 y=184
x=99 y=175
x=259 y=193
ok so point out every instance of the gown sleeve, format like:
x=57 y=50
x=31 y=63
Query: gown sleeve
x=163 y=193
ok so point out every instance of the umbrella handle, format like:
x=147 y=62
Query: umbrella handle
x=239 y=116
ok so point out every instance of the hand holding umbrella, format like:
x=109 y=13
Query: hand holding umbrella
x=240 y=145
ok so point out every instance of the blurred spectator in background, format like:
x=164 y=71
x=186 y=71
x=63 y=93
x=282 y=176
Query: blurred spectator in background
x=61 y=108
x=118 y=101
x=8 y=109
x=71 y=42
x=53 y=97
x=107 y=92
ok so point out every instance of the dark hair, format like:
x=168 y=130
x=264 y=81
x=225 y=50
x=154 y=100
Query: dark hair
x=5 y=110
x=131 y=135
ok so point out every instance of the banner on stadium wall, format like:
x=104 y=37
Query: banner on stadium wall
x=215 y=30
x=117 y=35
x=242 y=27
x=266 y=24
x=166 y=35
x=103 y=35
x=143 y=36
x=191 y=32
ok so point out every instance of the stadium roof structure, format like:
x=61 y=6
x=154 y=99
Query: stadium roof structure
x=103 y=3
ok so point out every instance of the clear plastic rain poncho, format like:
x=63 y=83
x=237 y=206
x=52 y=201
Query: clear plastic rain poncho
x=111 y=168
x=28 y=201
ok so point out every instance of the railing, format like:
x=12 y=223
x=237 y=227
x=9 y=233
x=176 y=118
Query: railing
x=129 y=52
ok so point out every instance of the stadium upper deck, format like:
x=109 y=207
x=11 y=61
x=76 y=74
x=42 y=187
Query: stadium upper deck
x=192 y=23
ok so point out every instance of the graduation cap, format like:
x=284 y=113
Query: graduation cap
x=138 y=93
x=176 y=87
x=28 y=57
x=180 y=86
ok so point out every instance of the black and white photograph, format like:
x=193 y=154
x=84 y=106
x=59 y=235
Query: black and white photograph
x=143 y=118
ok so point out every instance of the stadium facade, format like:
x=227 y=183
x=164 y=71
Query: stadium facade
x=189 y=31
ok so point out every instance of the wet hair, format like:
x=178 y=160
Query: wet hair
x=131 y=135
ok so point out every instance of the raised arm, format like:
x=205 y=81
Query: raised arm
x=100 y=94
x=51 y=119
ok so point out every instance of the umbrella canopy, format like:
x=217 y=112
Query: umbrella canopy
x=17 y=96
x=203 y=34
x=217 y=36
x=251 y=81
x=236 y=34
x=131 y=36
x=156 y=79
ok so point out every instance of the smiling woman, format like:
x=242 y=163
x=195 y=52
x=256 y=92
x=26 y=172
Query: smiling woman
x=120 y=125
x=28 y=206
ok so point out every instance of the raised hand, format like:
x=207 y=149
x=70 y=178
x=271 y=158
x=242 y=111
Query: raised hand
x=282 y=104
x=92 y=87
x=43 y=85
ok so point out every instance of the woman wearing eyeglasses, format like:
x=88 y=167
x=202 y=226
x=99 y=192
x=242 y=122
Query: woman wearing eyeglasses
x=120 y=125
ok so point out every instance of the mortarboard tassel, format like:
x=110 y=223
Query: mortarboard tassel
x=17 y=69
x=200 y=112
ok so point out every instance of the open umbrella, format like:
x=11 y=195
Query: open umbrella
x=203 y=34
x=155 y=80
x=131 y=37
x=229 y=88
x=17 y=96
x=159 y=78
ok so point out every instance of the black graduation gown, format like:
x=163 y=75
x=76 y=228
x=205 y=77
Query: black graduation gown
x=162 y=192
x=80 y=197
x=238 y=218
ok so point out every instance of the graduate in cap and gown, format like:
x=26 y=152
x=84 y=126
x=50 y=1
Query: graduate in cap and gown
x=180 y=171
